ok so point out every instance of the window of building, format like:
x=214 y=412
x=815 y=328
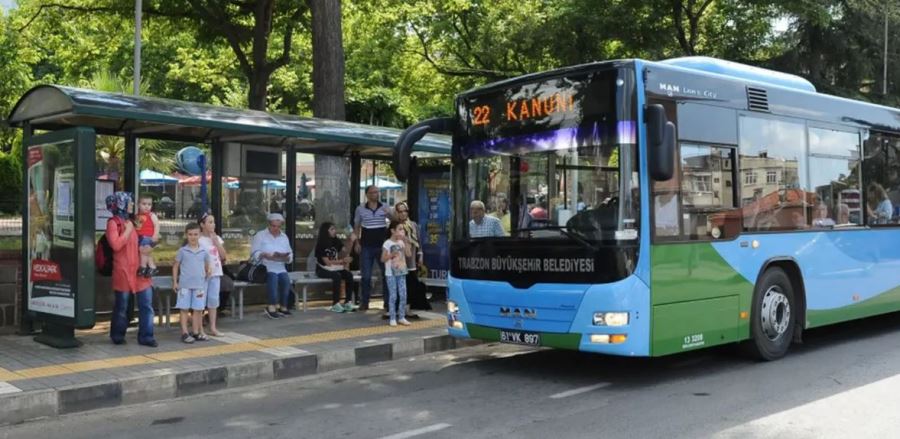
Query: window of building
x=774 y=145
x=771 y=177
x=749 y=178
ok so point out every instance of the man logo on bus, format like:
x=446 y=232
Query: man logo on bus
x=669 y=88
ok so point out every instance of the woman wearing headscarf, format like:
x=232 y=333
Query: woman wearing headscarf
x=126 y=283
x=414 y=288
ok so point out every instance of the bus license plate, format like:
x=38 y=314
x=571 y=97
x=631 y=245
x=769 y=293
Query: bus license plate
x=518 y=337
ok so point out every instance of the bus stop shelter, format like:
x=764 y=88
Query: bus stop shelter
x=60 y=125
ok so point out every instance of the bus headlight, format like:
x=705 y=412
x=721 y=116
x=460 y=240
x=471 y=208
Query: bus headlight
x=452 y=307
x=610 y=318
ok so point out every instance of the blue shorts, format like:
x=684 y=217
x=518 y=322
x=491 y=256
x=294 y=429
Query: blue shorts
x=212 y=291
x=146 y=241
x=191 y=298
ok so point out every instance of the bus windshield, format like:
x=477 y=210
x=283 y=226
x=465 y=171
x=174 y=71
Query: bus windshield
x=559 y=170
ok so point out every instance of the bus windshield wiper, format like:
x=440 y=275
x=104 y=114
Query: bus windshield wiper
x=577 y=237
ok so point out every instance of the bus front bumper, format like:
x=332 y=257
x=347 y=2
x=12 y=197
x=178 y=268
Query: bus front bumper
x=629 y=296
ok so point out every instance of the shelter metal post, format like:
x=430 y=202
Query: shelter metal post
x=290 y=202
x=131 y=164
x=217 y=167
x=355 y=170
x=26 y=324
x=412 y=190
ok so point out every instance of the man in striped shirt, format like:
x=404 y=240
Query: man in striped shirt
x=370 y=223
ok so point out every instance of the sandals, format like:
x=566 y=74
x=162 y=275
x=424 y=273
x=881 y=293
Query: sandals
x=215 y=333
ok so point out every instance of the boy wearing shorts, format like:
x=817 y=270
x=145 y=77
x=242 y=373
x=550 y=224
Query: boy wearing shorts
x=190 y=273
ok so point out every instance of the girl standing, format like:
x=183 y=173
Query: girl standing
x=215 y=246
x=394 y=252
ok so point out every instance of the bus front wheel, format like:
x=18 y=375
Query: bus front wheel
x=773 y=315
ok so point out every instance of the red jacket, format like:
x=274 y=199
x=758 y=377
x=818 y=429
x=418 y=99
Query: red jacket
x=126 y=259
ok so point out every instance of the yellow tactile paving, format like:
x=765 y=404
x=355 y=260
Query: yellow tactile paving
x=6 y=375
x=110 y=363
x=42 y=372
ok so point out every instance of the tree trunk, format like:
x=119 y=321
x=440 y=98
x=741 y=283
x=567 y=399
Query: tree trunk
x=332 y=182
x=258 y=93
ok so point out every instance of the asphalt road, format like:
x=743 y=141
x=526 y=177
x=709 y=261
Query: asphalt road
x=842 y=382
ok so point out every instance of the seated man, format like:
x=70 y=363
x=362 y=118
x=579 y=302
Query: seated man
x=481 y=225
x=820 y=216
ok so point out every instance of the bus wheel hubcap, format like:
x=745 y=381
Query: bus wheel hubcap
x=775 y=313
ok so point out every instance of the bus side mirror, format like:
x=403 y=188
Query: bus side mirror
x=660 y=143
x=408 y=138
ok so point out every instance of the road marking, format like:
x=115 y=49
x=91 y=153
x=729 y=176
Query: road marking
x=418 y=431
x=578 y=391
x=8 y=388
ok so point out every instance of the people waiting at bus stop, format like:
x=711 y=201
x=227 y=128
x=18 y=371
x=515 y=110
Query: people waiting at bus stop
x=370 y=224
x=272 y=247
x=127 y=285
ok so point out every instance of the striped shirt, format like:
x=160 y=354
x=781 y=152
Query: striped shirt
x=373 y=223
x=489 y=227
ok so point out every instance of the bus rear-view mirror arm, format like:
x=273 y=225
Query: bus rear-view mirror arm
x=660 y=142
x=408 y=138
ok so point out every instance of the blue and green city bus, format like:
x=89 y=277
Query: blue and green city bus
x=650 y=208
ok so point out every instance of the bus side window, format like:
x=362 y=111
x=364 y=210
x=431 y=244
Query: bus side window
x=881 y=179
x=707 y=191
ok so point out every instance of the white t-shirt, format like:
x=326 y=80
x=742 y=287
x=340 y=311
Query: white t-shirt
x=216 y=262
x=396 y=266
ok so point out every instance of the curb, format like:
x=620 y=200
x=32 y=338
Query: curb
x=46 y=403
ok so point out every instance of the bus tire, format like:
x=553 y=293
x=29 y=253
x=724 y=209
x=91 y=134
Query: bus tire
x=773 y=315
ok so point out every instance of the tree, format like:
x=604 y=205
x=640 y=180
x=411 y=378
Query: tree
x=332 y=202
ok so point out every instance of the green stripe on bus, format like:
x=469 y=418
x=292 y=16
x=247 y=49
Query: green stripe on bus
x=695 y=272
x=886 y=302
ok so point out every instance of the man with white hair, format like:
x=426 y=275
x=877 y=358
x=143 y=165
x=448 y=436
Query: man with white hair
x=481 y=225
x=272 y=247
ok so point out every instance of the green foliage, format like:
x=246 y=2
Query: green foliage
x=10 y=183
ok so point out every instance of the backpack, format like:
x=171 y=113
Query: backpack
x=103 y=253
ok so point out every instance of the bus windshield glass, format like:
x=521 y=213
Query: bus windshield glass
x=554 y=159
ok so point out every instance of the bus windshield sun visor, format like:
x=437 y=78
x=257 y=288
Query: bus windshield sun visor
x=404 y=146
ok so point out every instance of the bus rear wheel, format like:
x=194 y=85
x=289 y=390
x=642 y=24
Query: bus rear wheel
x=773 y=315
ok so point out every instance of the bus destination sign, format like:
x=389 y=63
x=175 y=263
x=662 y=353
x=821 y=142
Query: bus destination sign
x=544 y=105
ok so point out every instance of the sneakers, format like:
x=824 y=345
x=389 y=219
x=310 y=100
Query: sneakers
x=151 y=343
x=271 y=314
x=201 y=337
x=187 y=338
x=393 y=323
x=337 y=307
x=349 y=307
x=285 y=313
x=404 y=322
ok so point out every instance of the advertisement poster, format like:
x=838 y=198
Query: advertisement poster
x=102 y=189
x=51 y=227
x=434 y=220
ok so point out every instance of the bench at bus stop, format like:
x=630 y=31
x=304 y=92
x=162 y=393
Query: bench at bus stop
x=162 y=287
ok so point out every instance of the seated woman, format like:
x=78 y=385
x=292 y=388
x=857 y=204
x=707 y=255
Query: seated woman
x=330 y=265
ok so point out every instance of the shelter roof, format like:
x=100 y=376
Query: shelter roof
x=53 y=107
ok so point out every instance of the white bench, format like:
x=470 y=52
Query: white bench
x=164 y=283
x=307 y=278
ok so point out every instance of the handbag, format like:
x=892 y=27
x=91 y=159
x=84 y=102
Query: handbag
x=252 y=272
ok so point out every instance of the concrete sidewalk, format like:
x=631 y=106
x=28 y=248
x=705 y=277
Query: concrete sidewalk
x=38 y=381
